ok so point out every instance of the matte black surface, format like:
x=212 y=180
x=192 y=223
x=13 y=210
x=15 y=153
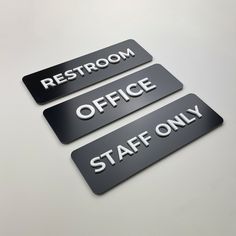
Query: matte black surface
x=68 y=126
x=42 y=95
x=159 y=147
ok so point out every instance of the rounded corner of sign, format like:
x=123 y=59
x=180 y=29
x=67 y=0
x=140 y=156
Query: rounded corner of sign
x=63 y=141
x=45 y=111
x=158 y=65
x=98 y=193
x=72 y=155
x=181 y=85
x=40 y=101
x=150 y=57
x=24 y=78
x=221 y=120
x=131 y=40
x=192 y=95
x=61 y=138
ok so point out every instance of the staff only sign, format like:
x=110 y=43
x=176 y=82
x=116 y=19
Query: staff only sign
x=71 y=76
x=81 y=115
x=117 y=156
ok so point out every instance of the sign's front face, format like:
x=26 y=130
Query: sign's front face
x=71 y=76
x=81 y=115
x=117 y=156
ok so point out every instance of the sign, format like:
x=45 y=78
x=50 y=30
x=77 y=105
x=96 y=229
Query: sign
x=76 y=74
x=117 y=156
x=81 y=115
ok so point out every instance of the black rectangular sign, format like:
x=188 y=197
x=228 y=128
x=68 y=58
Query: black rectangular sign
x=117 y=156
x=71 y=76
x=81 y=115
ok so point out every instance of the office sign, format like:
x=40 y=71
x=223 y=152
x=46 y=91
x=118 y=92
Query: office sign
x=117 y=156
x=76 y=74
x=81 y=115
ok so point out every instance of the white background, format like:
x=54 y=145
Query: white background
x=192 y=192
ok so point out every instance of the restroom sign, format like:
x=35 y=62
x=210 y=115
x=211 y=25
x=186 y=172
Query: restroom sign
x=76 y=74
